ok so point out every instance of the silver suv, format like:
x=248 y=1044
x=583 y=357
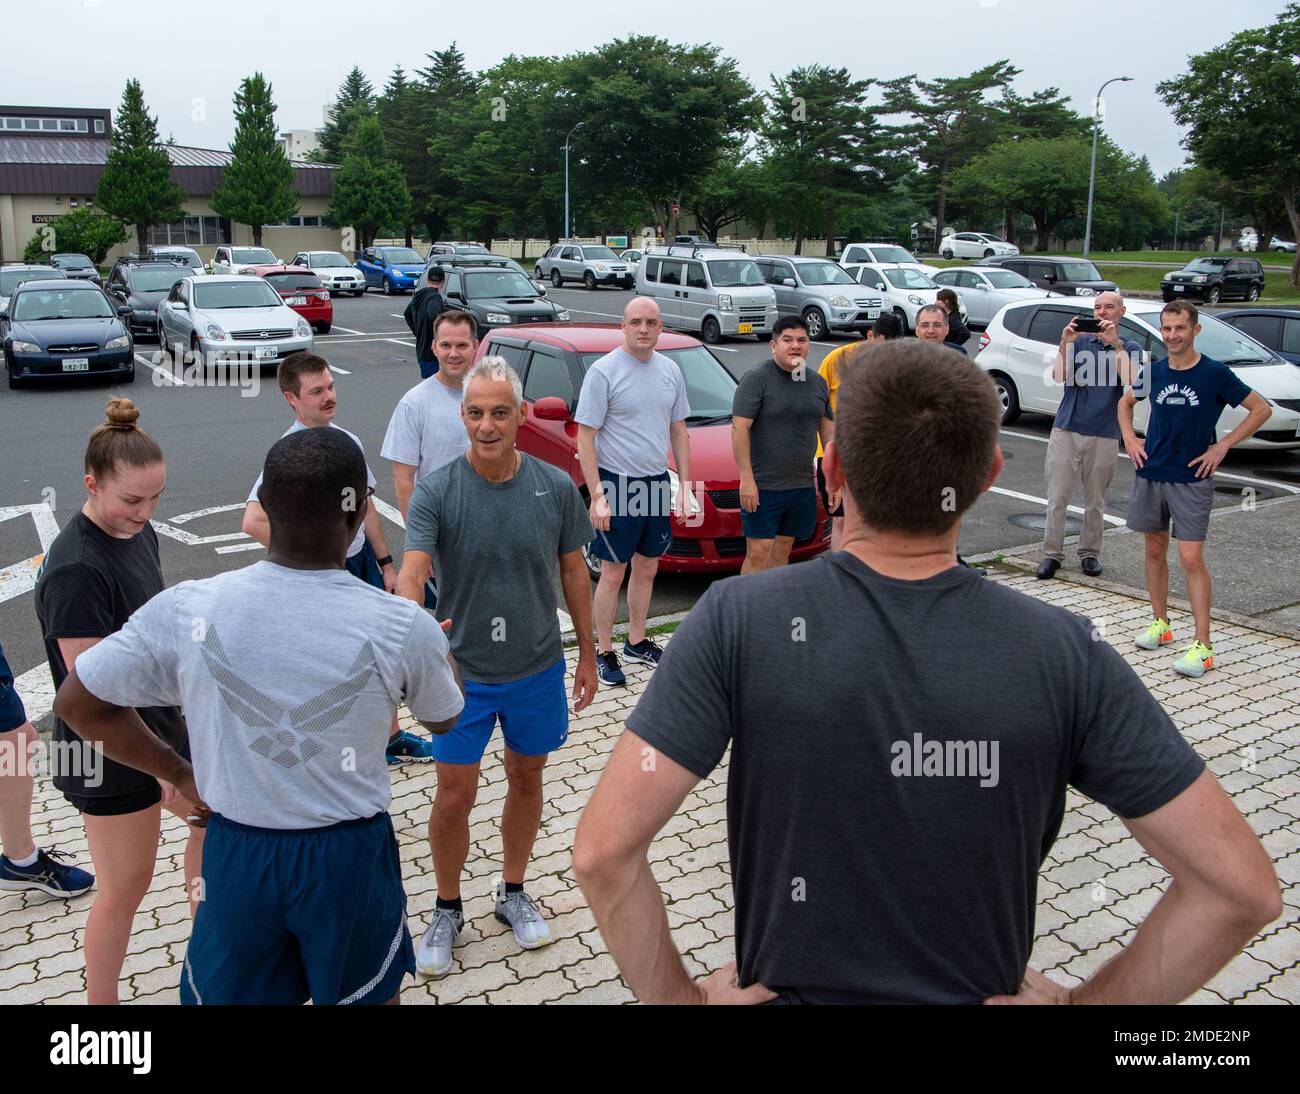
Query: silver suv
x=820 y=292
x=593 y=264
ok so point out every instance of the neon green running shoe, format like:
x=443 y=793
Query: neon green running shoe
x=1156 y=635
x=1196 y=661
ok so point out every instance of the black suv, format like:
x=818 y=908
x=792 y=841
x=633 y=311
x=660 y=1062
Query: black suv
x=142 y=285
x=1068 y=276
x=498 y=297
x=1213 y=279
x=77 y=265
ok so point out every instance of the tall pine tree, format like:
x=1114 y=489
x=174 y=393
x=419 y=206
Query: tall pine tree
x=368 y=193
x=257 y=186
x=355 y=100
x=136 y=186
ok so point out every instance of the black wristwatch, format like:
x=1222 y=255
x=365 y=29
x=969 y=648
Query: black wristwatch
x=387 y=560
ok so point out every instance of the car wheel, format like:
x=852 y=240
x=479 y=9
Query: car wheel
x=14 y=382
x=1212 y=296
x=988 y=252
x=359 y=292
x=763 y=336
x=129 y=378
x=591 y=561
x=815 y=322
x=710 y=332
x=1168 y=298
x=322 y=328
x=1007 y=396
x=902 y=318
x=388 y=287
x=1253 y=295
x=589 y=281
x=537 y=274
x=946 y=254
x=556 y=279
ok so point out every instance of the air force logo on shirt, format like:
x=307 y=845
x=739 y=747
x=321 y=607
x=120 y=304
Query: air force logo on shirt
x=1173 y=395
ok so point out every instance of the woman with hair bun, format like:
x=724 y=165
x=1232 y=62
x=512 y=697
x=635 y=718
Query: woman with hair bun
x=100 y=568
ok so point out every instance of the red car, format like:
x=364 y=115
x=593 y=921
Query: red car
x=301 y=290
x=553 y=358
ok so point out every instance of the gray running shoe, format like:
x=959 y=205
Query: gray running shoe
x=518 y=912
x=433 y=956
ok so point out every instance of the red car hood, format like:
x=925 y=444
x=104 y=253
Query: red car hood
x=711 y=458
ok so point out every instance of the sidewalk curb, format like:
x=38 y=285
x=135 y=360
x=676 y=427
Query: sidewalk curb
x=1235 y=618
x=569 y=638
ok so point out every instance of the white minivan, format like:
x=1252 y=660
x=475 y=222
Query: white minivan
x=708 y=290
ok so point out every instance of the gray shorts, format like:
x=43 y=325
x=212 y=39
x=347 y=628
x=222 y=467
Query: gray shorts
x=1152 y=505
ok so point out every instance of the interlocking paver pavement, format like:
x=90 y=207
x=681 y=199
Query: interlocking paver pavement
x=1095 y=887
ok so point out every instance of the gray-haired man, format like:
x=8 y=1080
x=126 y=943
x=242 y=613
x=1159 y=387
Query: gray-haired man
x=499 y=525
x=1095 y=369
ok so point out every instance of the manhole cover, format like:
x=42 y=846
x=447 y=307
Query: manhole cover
x=1037 y=522
x=1237 y=493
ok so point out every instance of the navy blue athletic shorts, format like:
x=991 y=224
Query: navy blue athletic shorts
x=790 y=513
x=291 y=915
x=12 y=712
x=640 y=517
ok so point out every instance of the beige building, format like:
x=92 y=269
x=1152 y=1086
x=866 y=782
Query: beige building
x=51 y=159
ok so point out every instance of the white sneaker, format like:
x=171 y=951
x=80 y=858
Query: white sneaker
x=433 y=955
x=518 y=912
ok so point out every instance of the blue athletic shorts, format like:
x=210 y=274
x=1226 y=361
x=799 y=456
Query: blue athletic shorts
x=640 y=517
x=292 y=915
x=12 y=712
x=782 y=513
x=365 y=565
x=534 y=714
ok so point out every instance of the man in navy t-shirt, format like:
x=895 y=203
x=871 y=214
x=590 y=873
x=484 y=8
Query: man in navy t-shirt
x=1094 y=369
x=1175 y=470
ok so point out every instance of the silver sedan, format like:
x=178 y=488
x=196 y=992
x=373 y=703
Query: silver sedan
x=986 y=290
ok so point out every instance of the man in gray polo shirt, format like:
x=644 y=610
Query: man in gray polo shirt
x=1095 y=368
x=779 y=410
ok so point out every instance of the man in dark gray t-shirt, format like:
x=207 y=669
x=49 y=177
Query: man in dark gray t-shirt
x=499 y=526
x=902 y=735
x=779 y=411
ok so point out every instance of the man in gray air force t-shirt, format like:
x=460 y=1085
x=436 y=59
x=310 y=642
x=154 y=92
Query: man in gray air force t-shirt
x=902 y=734
x=499 y=526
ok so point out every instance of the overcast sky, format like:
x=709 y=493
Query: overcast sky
x=190 y=57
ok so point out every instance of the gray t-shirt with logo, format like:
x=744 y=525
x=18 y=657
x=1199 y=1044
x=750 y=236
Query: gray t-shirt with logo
x=786 y=411
x=288 y=679
x=426 y=430
x=359 y=540
x=631 y=404
x=890 y=801
x=495 y=549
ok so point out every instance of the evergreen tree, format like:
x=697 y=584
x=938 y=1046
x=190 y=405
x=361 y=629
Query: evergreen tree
x=369 y=192
x=258 y=185
x=136 y=186
x=355 y=100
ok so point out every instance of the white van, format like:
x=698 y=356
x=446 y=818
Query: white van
x=709 y=290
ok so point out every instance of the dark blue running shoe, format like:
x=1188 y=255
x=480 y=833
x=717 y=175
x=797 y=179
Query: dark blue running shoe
x=45 y=874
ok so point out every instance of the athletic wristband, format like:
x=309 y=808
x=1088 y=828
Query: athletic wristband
x=387 y=560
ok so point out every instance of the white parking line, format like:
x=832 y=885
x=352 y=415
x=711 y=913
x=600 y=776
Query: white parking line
x=239 y=547
x=166 y=374
x=1043 y=501
x=348 y=330
x=1218 y=474
x=340 y=371
x=399 y=342
x=352 y=340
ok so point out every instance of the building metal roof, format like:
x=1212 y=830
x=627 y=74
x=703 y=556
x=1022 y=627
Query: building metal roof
x=72 y=165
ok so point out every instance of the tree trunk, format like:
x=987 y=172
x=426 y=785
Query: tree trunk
x=798 y=243
x=141 y=236
x=257 y=234
x=410 y=235
x=942 y=211
x=674 y=203
x=830 y=228
x=1293 y=215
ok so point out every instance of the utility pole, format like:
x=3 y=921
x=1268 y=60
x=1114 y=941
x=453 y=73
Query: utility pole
x=1092 y=173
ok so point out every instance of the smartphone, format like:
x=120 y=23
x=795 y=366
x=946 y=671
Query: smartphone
x=1087 y=324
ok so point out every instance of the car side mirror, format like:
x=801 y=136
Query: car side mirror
x=551 y=409
x=123 y=310
x=4 y=314
x=541 y=291
x=1051 y=278
x=454 y=296
x=788 y=282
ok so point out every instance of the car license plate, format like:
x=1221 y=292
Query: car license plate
x=291 y=300
x=76 y=364
x=873 y=313
x=266 y=351
x=744 y=328
x=1179 y=288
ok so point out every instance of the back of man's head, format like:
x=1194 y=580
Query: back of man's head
x=916 y=427
x=437 y=276
x=313 y=478
x=888 y=326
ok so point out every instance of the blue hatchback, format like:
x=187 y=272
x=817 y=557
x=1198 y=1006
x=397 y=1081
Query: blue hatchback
x=65 y=328
x=393 y=269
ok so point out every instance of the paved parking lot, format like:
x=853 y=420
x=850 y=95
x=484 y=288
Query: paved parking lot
x=1094 y=888
x=215 y=439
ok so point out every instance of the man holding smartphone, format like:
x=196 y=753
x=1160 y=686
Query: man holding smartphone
x=1095 y=365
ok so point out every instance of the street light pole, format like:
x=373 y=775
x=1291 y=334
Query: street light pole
x=1092 y=171
x=568 y=230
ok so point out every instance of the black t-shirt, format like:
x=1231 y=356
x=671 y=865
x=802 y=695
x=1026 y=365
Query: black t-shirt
x=89 y=585
x=900 y=752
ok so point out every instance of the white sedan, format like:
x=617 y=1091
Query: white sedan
x=336 y=273
x=1020 y=345
x=986 y=290
x=975 y=245
x=229 y=316
x=905 y=288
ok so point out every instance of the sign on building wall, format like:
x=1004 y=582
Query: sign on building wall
x=44 y=218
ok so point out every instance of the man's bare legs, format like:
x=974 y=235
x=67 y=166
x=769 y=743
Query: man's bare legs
x=1157 y=569
x=1200 y=586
